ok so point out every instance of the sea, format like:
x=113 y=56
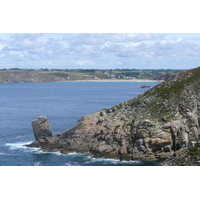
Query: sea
x=63 y=103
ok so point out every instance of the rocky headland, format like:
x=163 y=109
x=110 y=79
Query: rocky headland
x=161 y=123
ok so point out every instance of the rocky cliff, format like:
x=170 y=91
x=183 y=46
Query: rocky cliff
x=155 y=125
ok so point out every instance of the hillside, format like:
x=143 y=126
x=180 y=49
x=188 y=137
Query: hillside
x=155 y=125
x=19 y=76
x=47 y=75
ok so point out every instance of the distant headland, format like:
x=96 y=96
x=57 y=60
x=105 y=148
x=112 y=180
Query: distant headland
x=17 y=75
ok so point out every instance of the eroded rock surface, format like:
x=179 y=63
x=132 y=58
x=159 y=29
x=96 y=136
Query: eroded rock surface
x=154 y=125
x=41 y=128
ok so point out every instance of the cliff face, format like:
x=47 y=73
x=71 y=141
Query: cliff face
x=17 y=76
x=154 y=125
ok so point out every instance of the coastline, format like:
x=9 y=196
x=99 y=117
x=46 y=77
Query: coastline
x=117 y=80
x=91 y=80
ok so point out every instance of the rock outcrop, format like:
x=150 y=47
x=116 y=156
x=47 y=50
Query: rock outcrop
x=145 y=86
x=154 y=125
x=185 y=156
x=41 y=128
x=42 y=132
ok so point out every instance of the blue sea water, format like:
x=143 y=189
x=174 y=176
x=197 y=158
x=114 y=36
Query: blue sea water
x=63 y=103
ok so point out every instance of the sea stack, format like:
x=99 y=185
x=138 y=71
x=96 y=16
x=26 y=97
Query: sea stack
x=41 y=129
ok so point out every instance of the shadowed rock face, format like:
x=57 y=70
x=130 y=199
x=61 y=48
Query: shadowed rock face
x=152 y=126
x=41 y=128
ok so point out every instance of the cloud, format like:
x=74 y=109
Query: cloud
x=21 y=42
x=84 y=62
x=96 y=50
x=176 y=48
x=22 y=36
x=141 y=37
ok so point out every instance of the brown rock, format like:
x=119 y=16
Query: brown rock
x=153 y=125
x=41 y=128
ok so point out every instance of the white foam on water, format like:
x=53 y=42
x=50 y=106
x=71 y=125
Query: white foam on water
x=109 y=160
x=130 y=161
x=68 y=164
x=20 y=145
x=4 y=154
x=75 y=154
x=47 y=152
x=72 y=153
x=85 y=157
x=20 y=136
x=37 y=163
x=71 y=164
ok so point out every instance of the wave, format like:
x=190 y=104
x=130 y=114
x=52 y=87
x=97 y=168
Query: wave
x=20 y=136
x=87 y=159
x=20 y=145
x=37 y=163
x=70 y=163
x=110 y=161
x=73 y=158
x=39 y=151
x=4 y=154
x=73 y=153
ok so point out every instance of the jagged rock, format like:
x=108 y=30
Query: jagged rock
x=41 y=128
x=145 y=86
x=156 y=124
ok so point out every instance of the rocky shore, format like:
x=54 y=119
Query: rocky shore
x=157 y=124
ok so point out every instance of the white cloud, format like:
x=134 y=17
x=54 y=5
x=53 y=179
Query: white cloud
x=138 y=37
x=84 y=62
x=98 y=50
x=179 y=39
x=2 y=46
x=22 y=36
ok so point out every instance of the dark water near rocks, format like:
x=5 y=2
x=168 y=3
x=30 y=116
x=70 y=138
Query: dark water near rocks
x=63 y=103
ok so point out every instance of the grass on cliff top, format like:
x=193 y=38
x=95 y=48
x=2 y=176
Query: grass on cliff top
x=155 y=101
x=175 y=86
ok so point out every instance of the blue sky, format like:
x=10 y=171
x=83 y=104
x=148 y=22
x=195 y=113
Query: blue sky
x=100 y=50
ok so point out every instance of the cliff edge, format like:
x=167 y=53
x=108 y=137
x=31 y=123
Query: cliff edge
x=154 y=125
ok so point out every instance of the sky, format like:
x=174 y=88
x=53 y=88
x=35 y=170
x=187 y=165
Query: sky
x=100 y=50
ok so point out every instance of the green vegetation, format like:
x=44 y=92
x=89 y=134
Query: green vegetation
x=94 y=74
x=163 y=99
x=195 y=150
x=60 y=74
x=189 y=157
x=166 y=90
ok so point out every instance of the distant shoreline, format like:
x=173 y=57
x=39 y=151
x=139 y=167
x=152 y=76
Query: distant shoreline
x=116 y=80
x=100 y=80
